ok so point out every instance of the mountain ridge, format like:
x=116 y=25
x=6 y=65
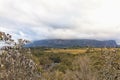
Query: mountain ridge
x=61 y=43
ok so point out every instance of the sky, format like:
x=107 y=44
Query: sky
x=61 y=19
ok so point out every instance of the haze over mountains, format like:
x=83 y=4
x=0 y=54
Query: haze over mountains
x=64 y=19
x=62 y=43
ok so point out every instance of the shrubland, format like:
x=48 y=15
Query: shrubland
x=94 y=64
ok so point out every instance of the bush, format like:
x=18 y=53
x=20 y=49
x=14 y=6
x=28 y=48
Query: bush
x=15 y=61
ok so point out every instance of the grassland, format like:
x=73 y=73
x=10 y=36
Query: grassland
x=78 y=50
x=78 y=64
x=72 y=51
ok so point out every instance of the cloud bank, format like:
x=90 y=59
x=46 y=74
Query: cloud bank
x=61 y=19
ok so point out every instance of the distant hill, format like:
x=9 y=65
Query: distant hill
x=61 y=43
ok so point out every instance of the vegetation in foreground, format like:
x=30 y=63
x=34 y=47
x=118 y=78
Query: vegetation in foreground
x=93 y=64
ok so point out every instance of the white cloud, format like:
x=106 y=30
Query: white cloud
x=41 y=19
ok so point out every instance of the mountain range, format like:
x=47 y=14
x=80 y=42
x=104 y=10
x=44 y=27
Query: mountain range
x=63 y=43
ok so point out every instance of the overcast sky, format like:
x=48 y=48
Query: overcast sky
x=61 y=19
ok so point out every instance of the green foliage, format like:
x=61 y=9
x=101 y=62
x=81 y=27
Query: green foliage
x=54 y=61
x=102 y=64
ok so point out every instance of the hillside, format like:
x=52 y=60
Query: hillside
x=60 y=43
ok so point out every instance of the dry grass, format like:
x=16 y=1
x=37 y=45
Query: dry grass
x=72 y=51
x=78 y=51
